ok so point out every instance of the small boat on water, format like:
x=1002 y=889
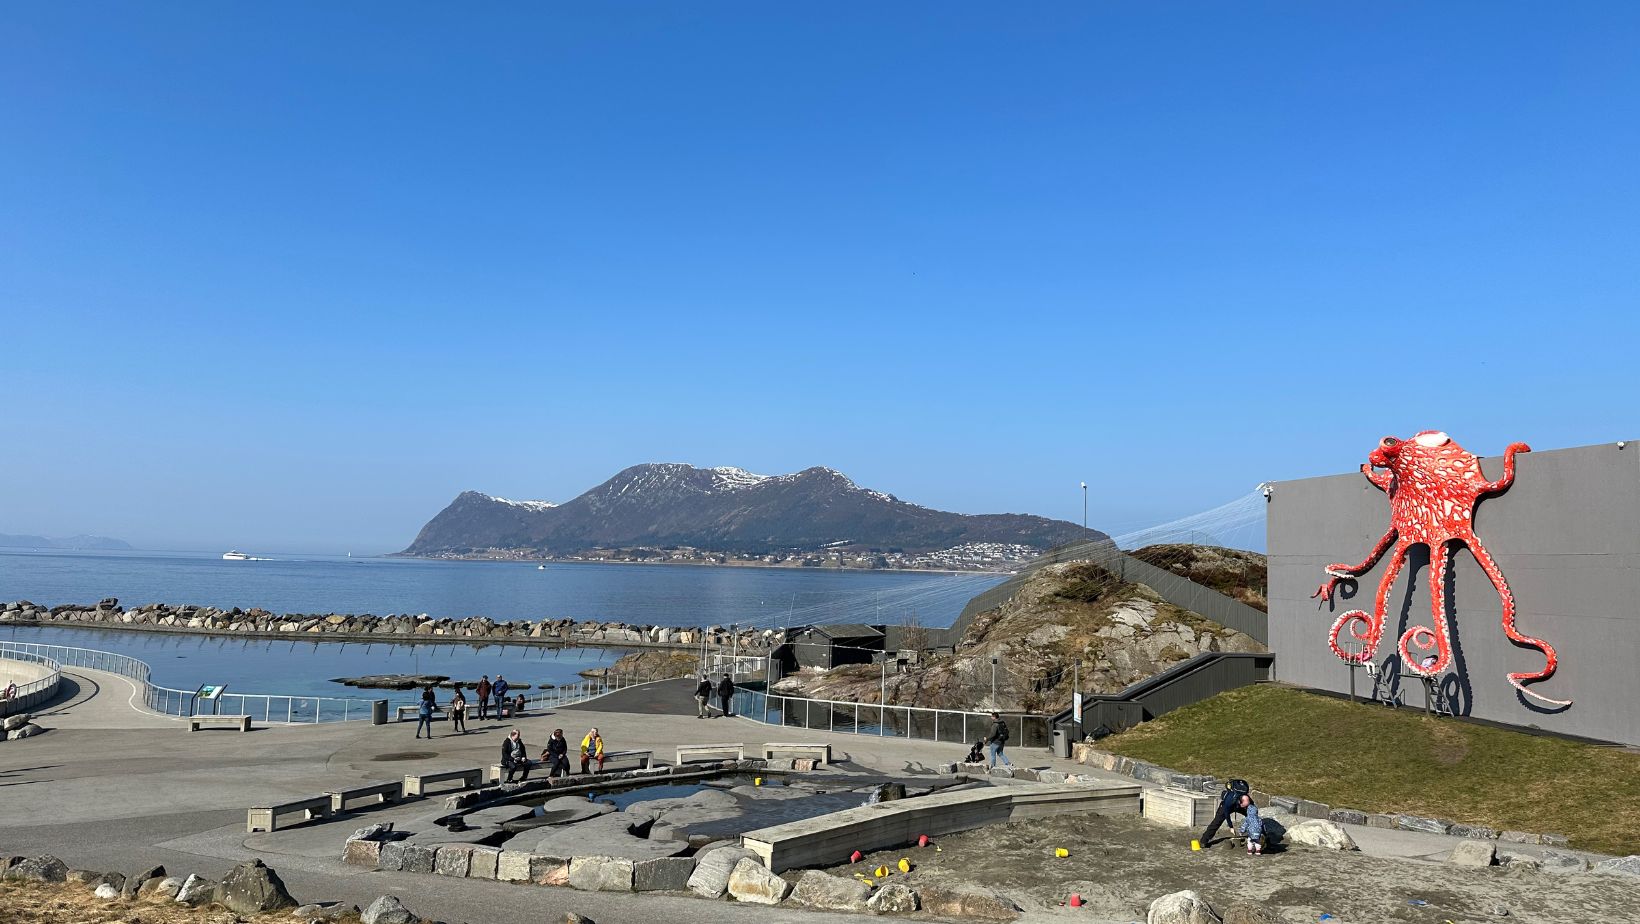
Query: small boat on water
x=235 y=555
x=540 y=567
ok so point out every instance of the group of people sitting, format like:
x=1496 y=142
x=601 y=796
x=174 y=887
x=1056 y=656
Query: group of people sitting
x=515 y=760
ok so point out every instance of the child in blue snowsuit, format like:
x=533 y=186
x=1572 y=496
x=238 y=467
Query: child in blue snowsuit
x=1252 y=826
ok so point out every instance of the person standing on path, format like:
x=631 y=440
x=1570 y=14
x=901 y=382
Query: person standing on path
x=482 y=691
x=998 y=739
x=703 y=698
x=458 y=712
x=424 y=712
x=726 y=693
x=592 y=748
x=514 y=756
x=499 y=691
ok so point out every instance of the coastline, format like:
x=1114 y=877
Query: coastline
x=318 y=638
x=701 y=564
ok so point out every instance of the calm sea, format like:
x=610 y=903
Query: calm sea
x=668 y=595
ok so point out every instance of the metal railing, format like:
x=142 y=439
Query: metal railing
x=268 y=708
x=915 y=722
x=28 y=695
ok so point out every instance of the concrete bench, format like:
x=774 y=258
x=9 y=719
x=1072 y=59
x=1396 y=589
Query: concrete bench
x=820 y=752
x=411 y=713
x=688 y=752
x=383 y=793
x=266 y=818
x=196 y=722
x=416 y=784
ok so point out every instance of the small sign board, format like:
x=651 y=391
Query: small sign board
x=211 y=691
x=1076 y=706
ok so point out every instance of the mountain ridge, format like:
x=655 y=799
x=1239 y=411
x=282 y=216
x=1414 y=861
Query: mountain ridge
x=725 y=509
x=98 y=543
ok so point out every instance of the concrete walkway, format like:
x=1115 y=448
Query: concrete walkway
x=111 y=786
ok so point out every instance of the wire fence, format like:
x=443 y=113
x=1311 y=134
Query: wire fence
x=914 y=722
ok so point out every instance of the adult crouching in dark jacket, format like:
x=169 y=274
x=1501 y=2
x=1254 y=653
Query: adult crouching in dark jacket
x=1229 y=804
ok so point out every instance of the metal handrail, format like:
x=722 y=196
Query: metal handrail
x=956 y=726
x=23 y=691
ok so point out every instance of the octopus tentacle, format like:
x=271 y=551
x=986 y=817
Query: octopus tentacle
x=1495 y=575
x=1440 y=637
x=1502 y=484
x=1358 y=620
x=1340 y=570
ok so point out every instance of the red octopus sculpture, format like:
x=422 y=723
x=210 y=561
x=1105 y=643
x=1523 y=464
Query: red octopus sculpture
x=1433 y=486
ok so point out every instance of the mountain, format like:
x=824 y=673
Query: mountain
x=725 y=510
x=99 y=543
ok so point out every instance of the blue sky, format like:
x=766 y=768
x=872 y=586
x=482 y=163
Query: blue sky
x=290 y=276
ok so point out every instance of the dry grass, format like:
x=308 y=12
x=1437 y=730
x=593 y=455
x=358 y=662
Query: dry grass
x=1375 y=759
x=40 y=903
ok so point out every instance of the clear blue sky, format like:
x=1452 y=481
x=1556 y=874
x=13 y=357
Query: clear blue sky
x=290 y=276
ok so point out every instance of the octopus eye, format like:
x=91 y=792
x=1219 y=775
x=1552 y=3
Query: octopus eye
x=1389 y=441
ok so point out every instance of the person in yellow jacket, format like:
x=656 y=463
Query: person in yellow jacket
x=592 y=748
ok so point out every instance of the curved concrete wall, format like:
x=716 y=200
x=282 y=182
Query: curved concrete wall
x=24 y=673
x=1567 y=536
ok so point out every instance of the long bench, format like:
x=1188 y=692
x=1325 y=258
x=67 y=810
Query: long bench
x=383 y=793
x=266 y=818
x=687 y=752
x=415 y=784
x=820 y=752
x=195 y=722
x=408 y=713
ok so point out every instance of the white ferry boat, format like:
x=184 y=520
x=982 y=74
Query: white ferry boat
x=235 y=556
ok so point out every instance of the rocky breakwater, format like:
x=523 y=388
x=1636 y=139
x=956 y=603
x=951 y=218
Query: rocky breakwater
x=166 y=617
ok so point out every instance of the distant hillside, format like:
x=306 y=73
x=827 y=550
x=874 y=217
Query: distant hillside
x=98 y=543
x=724 y=509
x=1237 y=574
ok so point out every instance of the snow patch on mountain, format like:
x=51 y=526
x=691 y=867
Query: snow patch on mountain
x=526 y=504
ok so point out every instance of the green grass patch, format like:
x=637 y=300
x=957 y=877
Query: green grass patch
x=1375 y=759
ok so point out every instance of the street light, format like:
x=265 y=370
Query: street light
x=1084 y=505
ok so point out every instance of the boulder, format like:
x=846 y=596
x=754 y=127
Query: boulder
x=662 y=874
x=323 y=911
x=1554 y=861
x=892 y=899
x=116 y=880
x=1185 y=907
x=1249 y=913
x=166 y=888
x=1514 y=859
x=196 y=890
x=710 y=878
x=39 y=869
x=1420 y=823
x=135 y=883
x=830 y=893
x=14 y=722
x=83 y=877
x=600 y=874
x=1473 y=853
x=376 y=832
x=106 y=892
x=956 y=899
x=253 y=888
x=1620 y=866
x=388 y=910
x=359 y=852
x=1381 y=821
x=751 y=881
x=1318 y=832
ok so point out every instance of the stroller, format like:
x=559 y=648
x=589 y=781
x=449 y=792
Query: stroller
x=976 y=754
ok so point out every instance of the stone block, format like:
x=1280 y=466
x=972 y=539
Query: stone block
x=1007 y=772
x=712 y=868
x=1025 y=773
x=1050 y=776
x=1620 y=866
x=419 y=858
x=1381 y=821
x=362 y=853
x=830 y=893
x=549 y=871
x=1260 y=798
x=600 y=874
x=453 y=860
x=1554 y=840
x=1477 y=832
x=391 y=856
x=1422 y=824
x=1473 y=853
x=961 y=900
x=511 y=866
x=1285 y=803
x=751 y=881
x=663 y=874
x=893 y=899
x=948 y=769
x=1558 y=863
x=483 y=863
x=1520 y=837
x=1308 y=809
x=1514 y=859
x=1347 y=817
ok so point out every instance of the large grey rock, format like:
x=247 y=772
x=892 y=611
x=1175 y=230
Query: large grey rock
x=376 y=832
x=253 y=888
x=135 y=883
x=892 y=899
x=600 y=874
x=1556 y=862
x=420 y=858
x=1620 y=866
x=1318 y=832
x=1473 y=853
x=1308 y=809
x=196 y=890
x=39 y=869
x=453 y=860
x=963 y=900
x=14 y=722
x=166 y=888
x=387 y=910
x=712 y=869
x=662 y=874
x=1518 y=860
x=1420 y=823
x=751 y=881
x=830 y=893
x=106 y=892
x=1185 y=907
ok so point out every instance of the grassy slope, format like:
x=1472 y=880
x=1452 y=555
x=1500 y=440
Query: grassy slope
x=1376 y=759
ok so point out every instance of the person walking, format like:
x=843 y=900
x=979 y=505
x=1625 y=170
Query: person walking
x=424 y=712
x=515 y=757
x=998 y=739
x=499 y=691
x=482 y=691
x=458 y=712
x=556 y=756
x=592 y=749
x=1229 y=804
x=726 y=693
x=703 y=698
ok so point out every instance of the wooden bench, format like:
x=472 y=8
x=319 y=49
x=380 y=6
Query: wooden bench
x=195 y=722
x=820 y=752
x=687 y=752
x=410 y=713
x=384 y=793
x=416 y=784
x=266 y=818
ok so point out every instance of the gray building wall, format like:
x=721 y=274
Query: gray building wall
x=1567 y=537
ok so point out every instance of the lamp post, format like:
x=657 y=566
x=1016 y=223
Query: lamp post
x=734 y=648
x=1084 y=505
x=1076 y=697
x=882 y=697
